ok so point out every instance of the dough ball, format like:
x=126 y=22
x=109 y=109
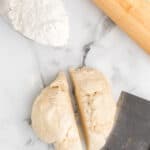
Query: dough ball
x=49 y=116
x=96 y=104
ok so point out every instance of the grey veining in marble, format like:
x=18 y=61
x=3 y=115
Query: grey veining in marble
x=26 y=67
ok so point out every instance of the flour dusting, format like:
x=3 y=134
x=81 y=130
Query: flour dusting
x=44 y=21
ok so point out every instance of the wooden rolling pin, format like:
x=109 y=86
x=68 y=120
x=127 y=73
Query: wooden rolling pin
x=133 y=16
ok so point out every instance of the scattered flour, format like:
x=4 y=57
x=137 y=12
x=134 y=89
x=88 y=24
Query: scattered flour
x=44 y=21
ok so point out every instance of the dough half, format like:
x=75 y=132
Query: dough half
x=52 y=116
x=96 y=105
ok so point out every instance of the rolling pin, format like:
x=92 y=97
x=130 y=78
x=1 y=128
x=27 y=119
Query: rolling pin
x=133 y=16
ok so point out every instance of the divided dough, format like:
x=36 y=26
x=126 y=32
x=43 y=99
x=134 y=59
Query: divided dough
x=53 y=117
x=96 y=105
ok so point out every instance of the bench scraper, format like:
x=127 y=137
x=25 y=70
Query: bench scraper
x=132 y=128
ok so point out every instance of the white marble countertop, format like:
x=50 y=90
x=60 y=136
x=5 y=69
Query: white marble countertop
x=25 y=67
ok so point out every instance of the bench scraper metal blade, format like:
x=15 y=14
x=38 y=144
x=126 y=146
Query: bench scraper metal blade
x=132 y=128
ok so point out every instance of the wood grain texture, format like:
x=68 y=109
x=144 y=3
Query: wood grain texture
x=133 y=16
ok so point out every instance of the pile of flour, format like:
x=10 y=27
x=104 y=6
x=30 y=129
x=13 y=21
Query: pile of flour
x=44 y=21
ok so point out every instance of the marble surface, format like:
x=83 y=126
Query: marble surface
x=26 y=67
